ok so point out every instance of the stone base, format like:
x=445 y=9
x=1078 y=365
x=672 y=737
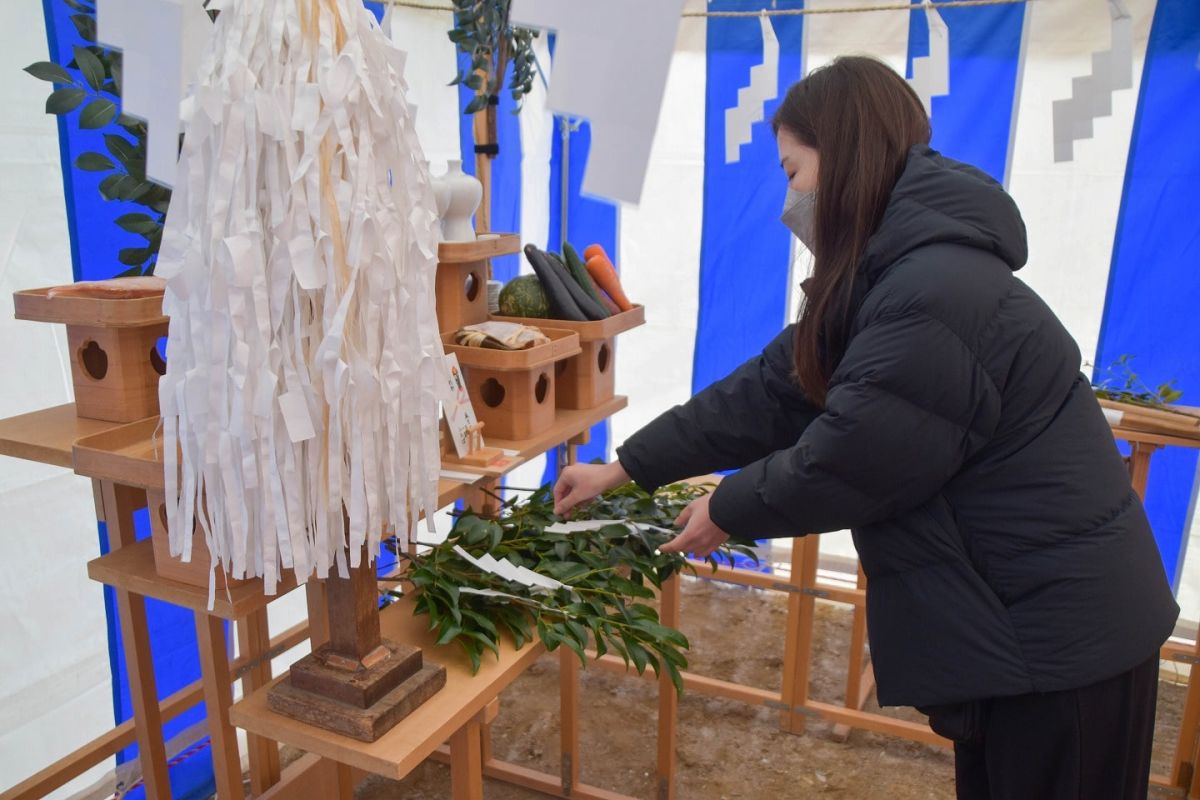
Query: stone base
x=364 y=724
x=320 y=674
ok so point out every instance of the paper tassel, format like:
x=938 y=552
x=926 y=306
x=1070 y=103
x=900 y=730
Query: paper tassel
x=764 y=85
x=931 y=73
x=1091 y=94
x=299 y=252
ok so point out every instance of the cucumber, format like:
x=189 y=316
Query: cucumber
x=591 y=308
x=580 y=274
x=561 y=302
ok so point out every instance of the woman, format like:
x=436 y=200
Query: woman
x=930 y=401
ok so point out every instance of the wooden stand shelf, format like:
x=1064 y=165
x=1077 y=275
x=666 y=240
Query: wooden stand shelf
x=47 y=436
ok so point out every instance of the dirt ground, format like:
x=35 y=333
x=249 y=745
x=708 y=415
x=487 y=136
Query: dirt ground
x=726 y=749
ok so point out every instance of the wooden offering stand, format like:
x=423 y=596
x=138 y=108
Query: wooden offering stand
x=478 y=454
x=115 y=363
x=357 y=684
x=588 y=379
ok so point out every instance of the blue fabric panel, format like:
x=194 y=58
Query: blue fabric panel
x=744 y=250
x=1153 y=288
x=506 y=167
x=589 y=221
x=972 y=123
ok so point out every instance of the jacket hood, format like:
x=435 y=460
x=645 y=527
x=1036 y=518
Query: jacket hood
x=940 y=200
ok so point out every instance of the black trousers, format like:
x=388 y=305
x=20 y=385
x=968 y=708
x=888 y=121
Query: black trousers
x=1091 y=743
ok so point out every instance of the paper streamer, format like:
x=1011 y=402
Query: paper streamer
x=161 y=42
x=300 y=253
x=509 y=571
x=764 y=86
x=610 y=66
x=931 y=73
x=1091 y=94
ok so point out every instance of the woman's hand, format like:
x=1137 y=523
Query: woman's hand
x=700 y=535
x=579 y=483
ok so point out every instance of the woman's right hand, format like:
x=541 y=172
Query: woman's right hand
x=579 y=483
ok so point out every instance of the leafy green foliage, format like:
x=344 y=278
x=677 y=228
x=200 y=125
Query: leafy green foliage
x=481 y=30
x=1122 y=384
x=611 y=574
x=91 y=85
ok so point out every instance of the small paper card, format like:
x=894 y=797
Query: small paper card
x=456 y=403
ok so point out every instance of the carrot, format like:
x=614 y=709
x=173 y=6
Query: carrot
x=591 y=250
x=605 y=276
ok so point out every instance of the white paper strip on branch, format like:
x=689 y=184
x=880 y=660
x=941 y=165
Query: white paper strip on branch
x=931 y=73
x=610 y=66
x=764 y=85
x=161 y=42
x=300 y=252
x=1091 y=94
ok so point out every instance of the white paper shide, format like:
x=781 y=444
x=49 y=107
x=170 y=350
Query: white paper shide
x=299 y=252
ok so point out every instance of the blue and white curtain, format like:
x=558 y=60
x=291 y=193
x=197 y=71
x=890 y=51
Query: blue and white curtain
x=1114 y=235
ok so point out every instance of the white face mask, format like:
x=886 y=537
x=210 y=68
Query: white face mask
x=799 y=214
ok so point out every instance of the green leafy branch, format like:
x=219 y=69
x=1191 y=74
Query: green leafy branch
x=610 y=574
x=90 y=83
x=1121 y=384
x=481 y=30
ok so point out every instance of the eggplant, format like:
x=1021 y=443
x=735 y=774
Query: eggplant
x=591 y=308
x=580 y=274
x=561 y=302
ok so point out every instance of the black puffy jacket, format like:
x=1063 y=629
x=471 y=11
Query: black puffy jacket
x=1004 y=547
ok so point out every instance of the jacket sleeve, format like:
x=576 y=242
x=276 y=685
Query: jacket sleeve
x=908 y=405
x=754 y=411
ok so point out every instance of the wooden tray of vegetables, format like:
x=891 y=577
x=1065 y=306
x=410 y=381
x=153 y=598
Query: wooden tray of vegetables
x=582 y=296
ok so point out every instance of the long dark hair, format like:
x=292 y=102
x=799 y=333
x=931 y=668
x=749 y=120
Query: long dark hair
x=862 y=119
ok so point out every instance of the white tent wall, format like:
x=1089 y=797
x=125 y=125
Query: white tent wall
x=56 y=692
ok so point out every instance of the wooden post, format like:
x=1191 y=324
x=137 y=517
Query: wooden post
x=254 y=641
x=483 y=171
x=568 y=683
x=798 y=647
x=857 y=671
x=466 y=762
x=668 y=700
x=354 y=639
x=119 y=504
x=1139 y=465
x=218 y=697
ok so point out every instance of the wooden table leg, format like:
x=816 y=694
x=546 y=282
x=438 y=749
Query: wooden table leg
x=668 y=700
x=218 y=697
x=466 y=762
x=568 y=689
x=254 y=641
x=1183 y=766
x=798 y=647
x=119 y=504
x=1139 y=465
x=345 y=781
x=858 y=678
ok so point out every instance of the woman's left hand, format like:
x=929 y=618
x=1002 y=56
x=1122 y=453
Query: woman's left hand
x=700 y=535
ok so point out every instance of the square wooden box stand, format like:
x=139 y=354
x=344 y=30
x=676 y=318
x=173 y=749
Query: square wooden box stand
x=115 y=363
x=194 y=572
x=588 y=379
x=512 y=391
x=462 y=275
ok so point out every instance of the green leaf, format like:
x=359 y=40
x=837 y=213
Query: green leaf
x=90 y=66
x=94 y=162
x=449 y=633
x=97 y=113
x=86 y=25
x=134 y=256
x=124 y=150
x=476 y=105
x=138 y=223
x=65 y=100
x=49 y=71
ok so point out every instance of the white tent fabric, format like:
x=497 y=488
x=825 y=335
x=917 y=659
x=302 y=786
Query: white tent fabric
x=55 y=692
